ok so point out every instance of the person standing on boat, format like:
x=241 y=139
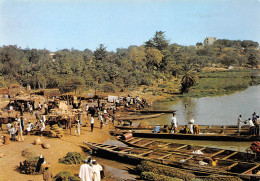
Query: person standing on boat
x=174 y=124
x=239 y=121
x=252 y=126
x=190 y=125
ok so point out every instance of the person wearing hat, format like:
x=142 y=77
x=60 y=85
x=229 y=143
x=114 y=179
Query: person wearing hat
x=86 y=171
x=96 y=171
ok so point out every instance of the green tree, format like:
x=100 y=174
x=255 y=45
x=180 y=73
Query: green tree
x=188 y=79
x=100 y=53
x=158 y=41
x=253 y=58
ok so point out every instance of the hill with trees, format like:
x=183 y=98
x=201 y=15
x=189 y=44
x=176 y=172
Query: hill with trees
x=127 y=68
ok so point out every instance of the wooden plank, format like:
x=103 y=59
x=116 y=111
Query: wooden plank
x=230 y=155
x=164 y=156
x=234 y=164
x=250 y=169
x=135 y=141
x=128 y=149
x=130 y=139
x=181 y=147
x=221 y=151
x=110 y=147
x=143 y=145
x=150 y=151
x=202 y=148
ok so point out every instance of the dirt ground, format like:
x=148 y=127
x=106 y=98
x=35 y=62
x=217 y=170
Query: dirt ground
x=59 y=148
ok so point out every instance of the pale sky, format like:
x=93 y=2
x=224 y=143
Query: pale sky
x=81 y=24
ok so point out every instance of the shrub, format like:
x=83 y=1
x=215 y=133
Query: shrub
x=147 y=166
x=29 y=166
x=72 y=158
x=66 y=176
x=156 y=177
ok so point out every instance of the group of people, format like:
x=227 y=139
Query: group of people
x=188 y=129
x=91 y=171
x=254 y=124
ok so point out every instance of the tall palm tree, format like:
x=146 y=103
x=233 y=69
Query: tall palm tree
x=189 y=78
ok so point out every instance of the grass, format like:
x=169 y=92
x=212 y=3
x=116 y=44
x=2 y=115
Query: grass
x=221 y=83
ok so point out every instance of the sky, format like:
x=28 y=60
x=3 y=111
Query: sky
x=84 y=24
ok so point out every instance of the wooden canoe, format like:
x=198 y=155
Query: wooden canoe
x=188 y=162
x=210 y=152
x=213 y=133
x=139 y=117
x=151 y=111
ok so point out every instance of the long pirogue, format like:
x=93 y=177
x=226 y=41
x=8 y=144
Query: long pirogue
x=210 y=152
x=188 y=162
x=214 y=133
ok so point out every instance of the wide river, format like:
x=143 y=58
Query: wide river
x=219 y=110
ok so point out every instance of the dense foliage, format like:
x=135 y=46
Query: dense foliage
x=157 y=59
x=72 y=158
x=66 y=176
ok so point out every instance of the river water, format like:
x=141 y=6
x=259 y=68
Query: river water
x=219 y=110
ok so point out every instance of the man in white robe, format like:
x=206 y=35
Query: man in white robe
x=96 y=171
x=86 y=172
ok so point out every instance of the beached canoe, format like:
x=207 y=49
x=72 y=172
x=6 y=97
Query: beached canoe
x=213 y=133
x=211 y=152
x=188 y=162
x=151 y=111
x=139 y=117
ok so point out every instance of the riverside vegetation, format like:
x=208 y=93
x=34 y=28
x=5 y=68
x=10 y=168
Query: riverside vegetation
x=158 y=65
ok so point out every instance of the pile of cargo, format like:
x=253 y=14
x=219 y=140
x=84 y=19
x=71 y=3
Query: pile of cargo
x=56 y=131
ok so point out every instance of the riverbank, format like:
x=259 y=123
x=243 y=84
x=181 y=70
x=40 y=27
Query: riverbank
x=213 y=82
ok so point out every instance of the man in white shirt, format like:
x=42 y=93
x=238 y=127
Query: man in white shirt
x=96 y=171
x=174 y=124
x=252 y=126
x=86 y=172
x=100 y=118
x=239 y=121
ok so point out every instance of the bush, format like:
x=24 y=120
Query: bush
x=72 y=158
x=147 y=166
x=156 y=177
x=66 y=176
x=29 y=166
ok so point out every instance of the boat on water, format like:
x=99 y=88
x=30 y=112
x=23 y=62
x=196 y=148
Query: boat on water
x=210 y=152
x=188 y=162
x=139 y=117
x=213 y=133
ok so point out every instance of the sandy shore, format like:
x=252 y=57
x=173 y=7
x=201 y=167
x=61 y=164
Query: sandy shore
x=59 y=148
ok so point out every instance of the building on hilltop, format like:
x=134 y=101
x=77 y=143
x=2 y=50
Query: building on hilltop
x=209 y=40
